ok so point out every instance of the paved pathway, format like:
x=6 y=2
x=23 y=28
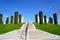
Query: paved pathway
x=28 y=32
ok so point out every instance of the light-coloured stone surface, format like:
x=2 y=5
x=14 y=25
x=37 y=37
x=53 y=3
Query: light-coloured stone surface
x=32 y=34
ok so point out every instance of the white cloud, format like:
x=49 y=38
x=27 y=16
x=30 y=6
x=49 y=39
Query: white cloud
x=58 y=16
x=6 y=16
x=58 y=20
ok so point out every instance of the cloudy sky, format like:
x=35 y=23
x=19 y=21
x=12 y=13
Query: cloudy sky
x=28 y=8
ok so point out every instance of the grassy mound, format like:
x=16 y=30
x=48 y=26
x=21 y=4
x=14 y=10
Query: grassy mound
x=9 y=27
x=51 y=28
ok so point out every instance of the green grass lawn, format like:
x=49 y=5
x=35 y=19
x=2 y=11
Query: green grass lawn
x=9 y=27
x=51 y=28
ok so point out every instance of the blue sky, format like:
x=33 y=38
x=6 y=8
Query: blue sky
x=28 y=8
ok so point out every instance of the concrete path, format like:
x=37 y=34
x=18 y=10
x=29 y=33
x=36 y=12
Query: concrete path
x=28 y=32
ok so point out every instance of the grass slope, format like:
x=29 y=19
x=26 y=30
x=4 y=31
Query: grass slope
x=9 y=27
x=51 y=28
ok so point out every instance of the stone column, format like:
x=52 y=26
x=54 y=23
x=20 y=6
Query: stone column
x=20 y=17
x=7 y=20
x=1 y=22
x=11 y=20
x=55 y=18
x=50 y=20
x=45 y=19
x=36 y=18
x=41 y=17
x=16 y=18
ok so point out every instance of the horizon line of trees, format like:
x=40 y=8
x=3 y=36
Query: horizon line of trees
x=41 y=16
x=16 y=19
